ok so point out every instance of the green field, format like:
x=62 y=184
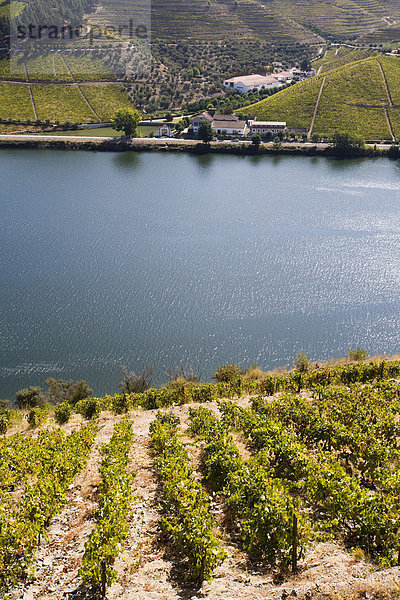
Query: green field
x=15 y=102
x=61 y=103
x=350 y=100
x=391 y=67
x=106 y=99
x=286 y=105
x=47 y=67
x=87 y=68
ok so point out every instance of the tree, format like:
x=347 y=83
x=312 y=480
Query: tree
x=205 y=132
x=347 y=144
x=29 y=397
x=61 y=390
x=256 y=139
x=136 y=384
x=127 y=120
x=301 y=363
x=228 y=372
x=305 y=65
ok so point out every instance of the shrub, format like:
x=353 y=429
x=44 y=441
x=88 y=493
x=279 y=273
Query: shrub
x=4 y=421
x=62 y=413
x=121 y=403
x=301 y=363
x=36 y=417
x=29 y=397
x=227 y=373
x=136 y=384
x=88 y=408
x=357 y=354
x=201 y=420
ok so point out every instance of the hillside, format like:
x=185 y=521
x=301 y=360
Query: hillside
x=360 y=97
x=212 y=485
x=277 y=20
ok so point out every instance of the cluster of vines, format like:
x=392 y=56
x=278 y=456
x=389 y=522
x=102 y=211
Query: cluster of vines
x=187 y=518
x=43 y=468
x=272 y=527
x=339 y=452
x=116 y=497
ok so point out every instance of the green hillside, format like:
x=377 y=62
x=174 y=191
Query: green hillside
x=73 y=103
x=336 y=57
x=354 y=98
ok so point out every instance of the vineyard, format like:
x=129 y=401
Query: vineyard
x=256 y=487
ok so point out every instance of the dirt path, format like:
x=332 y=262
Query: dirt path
x=316 y=109
x=33 y=102
x=389 y=100
x=88 y=103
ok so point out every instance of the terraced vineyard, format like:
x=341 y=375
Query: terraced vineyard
x=255 y=476
x=353 y=99
x=338 y=56
x=279 y=20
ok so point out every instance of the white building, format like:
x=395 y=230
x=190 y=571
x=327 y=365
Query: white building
x=245 y=83
x=221 y=124
x=263 y=127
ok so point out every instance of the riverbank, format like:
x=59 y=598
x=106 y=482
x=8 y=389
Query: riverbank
x=106 y=144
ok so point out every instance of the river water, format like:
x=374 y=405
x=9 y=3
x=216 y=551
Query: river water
x=165 y=259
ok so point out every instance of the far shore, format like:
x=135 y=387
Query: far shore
x=245 y=147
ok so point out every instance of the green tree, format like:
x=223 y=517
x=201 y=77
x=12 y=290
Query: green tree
x=228 y=372
x=127 y=120
x=29 y=397
x=61 y=390
x=206 y=132
x=301 y=363
x=256 y=139
x=347 y=144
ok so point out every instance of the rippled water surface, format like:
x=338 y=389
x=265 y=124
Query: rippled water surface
x=128 y=259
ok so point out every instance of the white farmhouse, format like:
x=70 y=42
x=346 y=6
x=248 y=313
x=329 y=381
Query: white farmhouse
x=221 y=124
x=245 y=83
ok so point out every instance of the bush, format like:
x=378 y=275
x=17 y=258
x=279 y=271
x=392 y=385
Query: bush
x=136 y=384
x=88 y=408
x=227 y=373
x=357 y=354
x=36 y=417
x=29 y=397
x=201 y=420
x=4 y=421
x=301 y=363
x=62 y=413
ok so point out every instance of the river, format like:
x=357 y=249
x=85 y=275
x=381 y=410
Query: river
x=145 y=258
